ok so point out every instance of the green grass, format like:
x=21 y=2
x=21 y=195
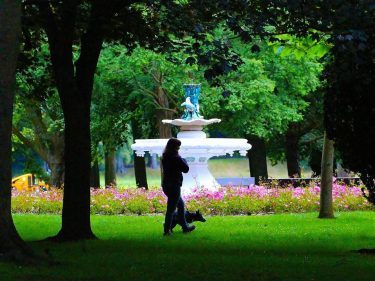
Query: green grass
x=128 y=179
x=220 y=168
x=273 y=247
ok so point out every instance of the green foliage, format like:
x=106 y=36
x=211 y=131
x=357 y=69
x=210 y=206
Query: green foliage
x=156 y=80
x=266 y=93
x=302 y=47
x=36 y=93
x=110 y=115
x=38 y=121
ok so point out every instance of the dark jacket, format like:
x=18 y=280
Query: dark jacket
x=173 y=167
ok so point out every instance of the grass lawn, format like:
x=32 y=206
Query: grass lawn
x=272 y=247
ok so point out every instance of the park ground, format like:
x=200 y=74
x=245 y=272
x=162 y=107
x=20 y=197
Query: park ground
x=268 y=247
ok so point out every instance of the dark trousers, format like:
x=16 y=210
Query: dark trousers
x=174 y=201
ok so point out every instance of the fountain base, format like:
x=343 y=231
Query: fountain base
x=199 y=176
x=197 y=149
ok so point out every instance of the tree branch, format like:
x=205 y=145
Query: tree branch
x=166 y=109
x=91 y=42
x=60 y=38
x=145 y=90
x=312 y=140
x=29 y=143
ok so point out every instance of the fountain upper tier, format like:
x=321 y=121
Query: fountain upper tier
x=194 y=142
x=191 y=125
x=197 y=148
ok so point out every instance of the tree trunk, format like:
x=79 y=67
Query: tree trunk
x=292 y=152
x=57 y=174
x=315 y=162
x=120 y=166
x=94 y=175
x=140 y=171
x=110 y=168
x=152 y=161
x=165 y=131
x=12 y=247
x=139 y=162
x=76 y=204
x=257 y=159
x=326 y=206
x=74 y=81
x=56 y=162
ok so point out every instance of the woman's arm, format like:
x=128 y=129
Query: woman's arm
x=183 y=165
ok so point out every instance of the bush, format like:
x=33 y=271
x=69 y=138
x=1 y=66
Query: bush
x=225 y=201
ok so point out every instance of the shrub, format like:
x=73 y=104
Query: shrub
x=225 y=201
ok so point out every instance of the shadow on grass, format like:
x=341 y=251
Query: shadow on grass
x=186 y=257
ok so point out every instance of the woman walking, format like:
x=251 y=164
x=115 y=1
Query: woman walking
x=172 y=168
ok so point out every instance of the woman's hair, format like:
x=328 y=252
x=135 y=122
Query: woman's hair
x=172 y=147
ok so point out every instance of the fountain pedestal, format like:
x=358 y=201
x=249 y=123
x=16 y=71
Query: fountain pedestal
x=199 y=176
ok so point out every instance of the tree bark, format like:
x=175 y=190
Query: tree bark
x=152 y=161
x=139 y=162
x=110 y=167
x=12 y=247
x=292 y=152
x=315 y=162
x=74 y=83
x=140 y=171
x=76 y=204
x=94 y=175
x=120 y=166
x=326 y=206
x=57 y=174
x=165 y=131
x=257 y=159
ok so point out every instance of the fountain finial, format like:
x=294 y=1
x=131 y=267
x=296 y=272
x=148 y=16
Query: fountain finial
x=191 y=120
x=191 y=95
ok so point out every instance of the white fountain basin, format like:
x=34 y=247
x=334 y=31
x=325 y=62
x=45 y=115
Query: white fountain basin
x=191 y=125
x=196 y=149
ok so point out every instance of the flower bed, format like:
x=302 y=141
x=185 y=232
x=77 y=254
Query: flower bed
x=226 y=201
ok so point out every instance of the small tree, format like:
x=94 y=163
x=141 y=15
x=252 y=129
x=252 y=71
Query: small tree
x=326 y=205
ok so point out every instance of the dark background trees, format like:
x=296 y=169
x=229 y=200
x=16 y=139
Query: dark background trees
x=349 y=107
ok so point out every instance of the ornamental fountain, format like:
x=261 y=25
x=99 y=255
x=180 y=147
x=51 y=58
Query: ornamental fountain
x=196 y=148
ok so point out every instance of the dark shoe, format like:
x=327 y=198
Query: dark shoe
x=167 y=233
x=188 y=229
